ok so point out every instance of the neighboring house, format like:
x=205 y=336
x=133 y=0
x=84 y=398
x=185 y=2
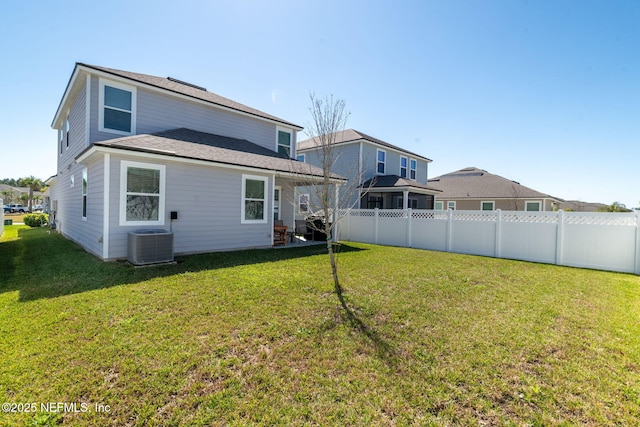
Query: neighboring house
x=136 y=151
x=476 y=189
x=385 y=176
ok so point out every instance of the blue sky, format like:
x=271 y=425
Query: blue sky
x=546 y=93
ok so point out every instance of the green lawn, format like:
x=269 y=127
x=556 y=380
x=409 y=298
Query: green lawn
x=256 y=338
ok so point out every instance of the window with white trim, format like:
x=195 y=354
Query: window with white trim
x=439 y=205
x=84 y=194
x=284 y=137
x=381 y=161
x=487 y=206
x=142 y=193
x=451 y=205
x=117 y=108
x=532 y=206
x=254 y=201
x=303 y=203
x=67 y=127
x=413 y=168
x=403 y=166
x=61 y=139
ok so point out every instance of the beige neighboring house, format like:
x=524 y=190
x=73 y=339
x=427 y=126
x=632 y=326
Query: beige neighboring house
x=476 y=189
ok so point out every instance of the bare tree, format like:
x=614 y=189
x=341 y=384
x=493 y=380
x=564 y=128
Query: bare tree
x=516 y=195
x=328 y=120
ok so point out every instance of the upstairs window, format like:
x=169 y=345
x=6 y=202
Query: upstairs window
x=284 y=142
x=382 y=157
x=413 y=169
x=84 y=194
x=67 y=126
x=117 y=113
x=403 y=167
x=301 y=158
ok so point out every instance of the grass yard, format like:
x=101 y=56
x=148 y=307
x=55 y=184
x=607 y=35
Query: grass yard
x=256 y=338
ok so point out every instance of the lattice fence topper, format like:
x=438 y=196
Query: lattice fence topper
x=394 y=213
x=359 y=212
x=600 y=219
x=531 y=217
x=429 y=215
x=474 y=216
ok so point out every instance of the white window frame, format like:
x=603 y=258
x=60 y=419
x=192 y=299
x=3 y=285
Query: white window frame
x=124 y=166
x=67 y=129
x=61 y=139
x=304 y=196
x=85 y=191
x=538 y=202
x=266 y=209
x=406 y=167
x=384 y=162
x=451 y=204
x=285 y=130
x=101 y=106
x=493 y=205
x=413 y=169
x=438 y=203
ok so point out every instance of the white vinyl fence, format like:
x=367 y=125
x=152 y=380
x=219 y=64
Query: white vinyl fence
x=602 y=241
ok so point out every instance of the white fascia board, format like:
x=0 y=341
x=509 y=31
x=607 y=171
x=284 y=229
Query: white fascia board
x=167 y=157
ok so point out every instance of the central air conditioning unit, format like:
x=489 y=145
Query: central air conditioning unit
x=150 y=247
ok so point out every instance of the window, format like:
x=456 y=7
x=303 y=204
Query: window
x=487 y=206
x=301 y=158
x=276 y=203
x=439 y=205
x=117 y=111
x=254 y=189
x=403 y=167
x=284 y=142
x=66 y=130
x=451 y=205
x=84 y=194
x=142 y=193
x=61 y=139
x=532 y=206
x=382 y=155
x=303 y=203
x=413 y=168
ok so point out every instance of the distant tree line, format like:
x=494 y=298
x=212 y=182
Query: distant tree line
x=31 y=182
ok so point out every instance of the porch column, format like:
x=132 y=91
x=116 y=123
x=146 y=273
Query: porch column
x=405 y=199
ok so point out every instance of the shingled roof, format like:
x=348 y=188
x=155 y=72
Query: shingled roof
x=352 y=135
x=189 y=90
x=474 y=183
x=189 y=144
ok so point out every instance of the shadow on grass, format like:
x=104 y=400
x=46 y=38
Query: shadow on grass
x=40 y=264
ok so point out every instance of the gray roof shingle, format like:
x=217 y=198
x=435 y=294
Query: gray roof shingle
x=190 y=144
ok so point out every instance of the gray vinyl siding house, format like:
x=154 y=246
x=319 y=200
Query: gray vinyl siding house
x=394 y=186
x=132 y=148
